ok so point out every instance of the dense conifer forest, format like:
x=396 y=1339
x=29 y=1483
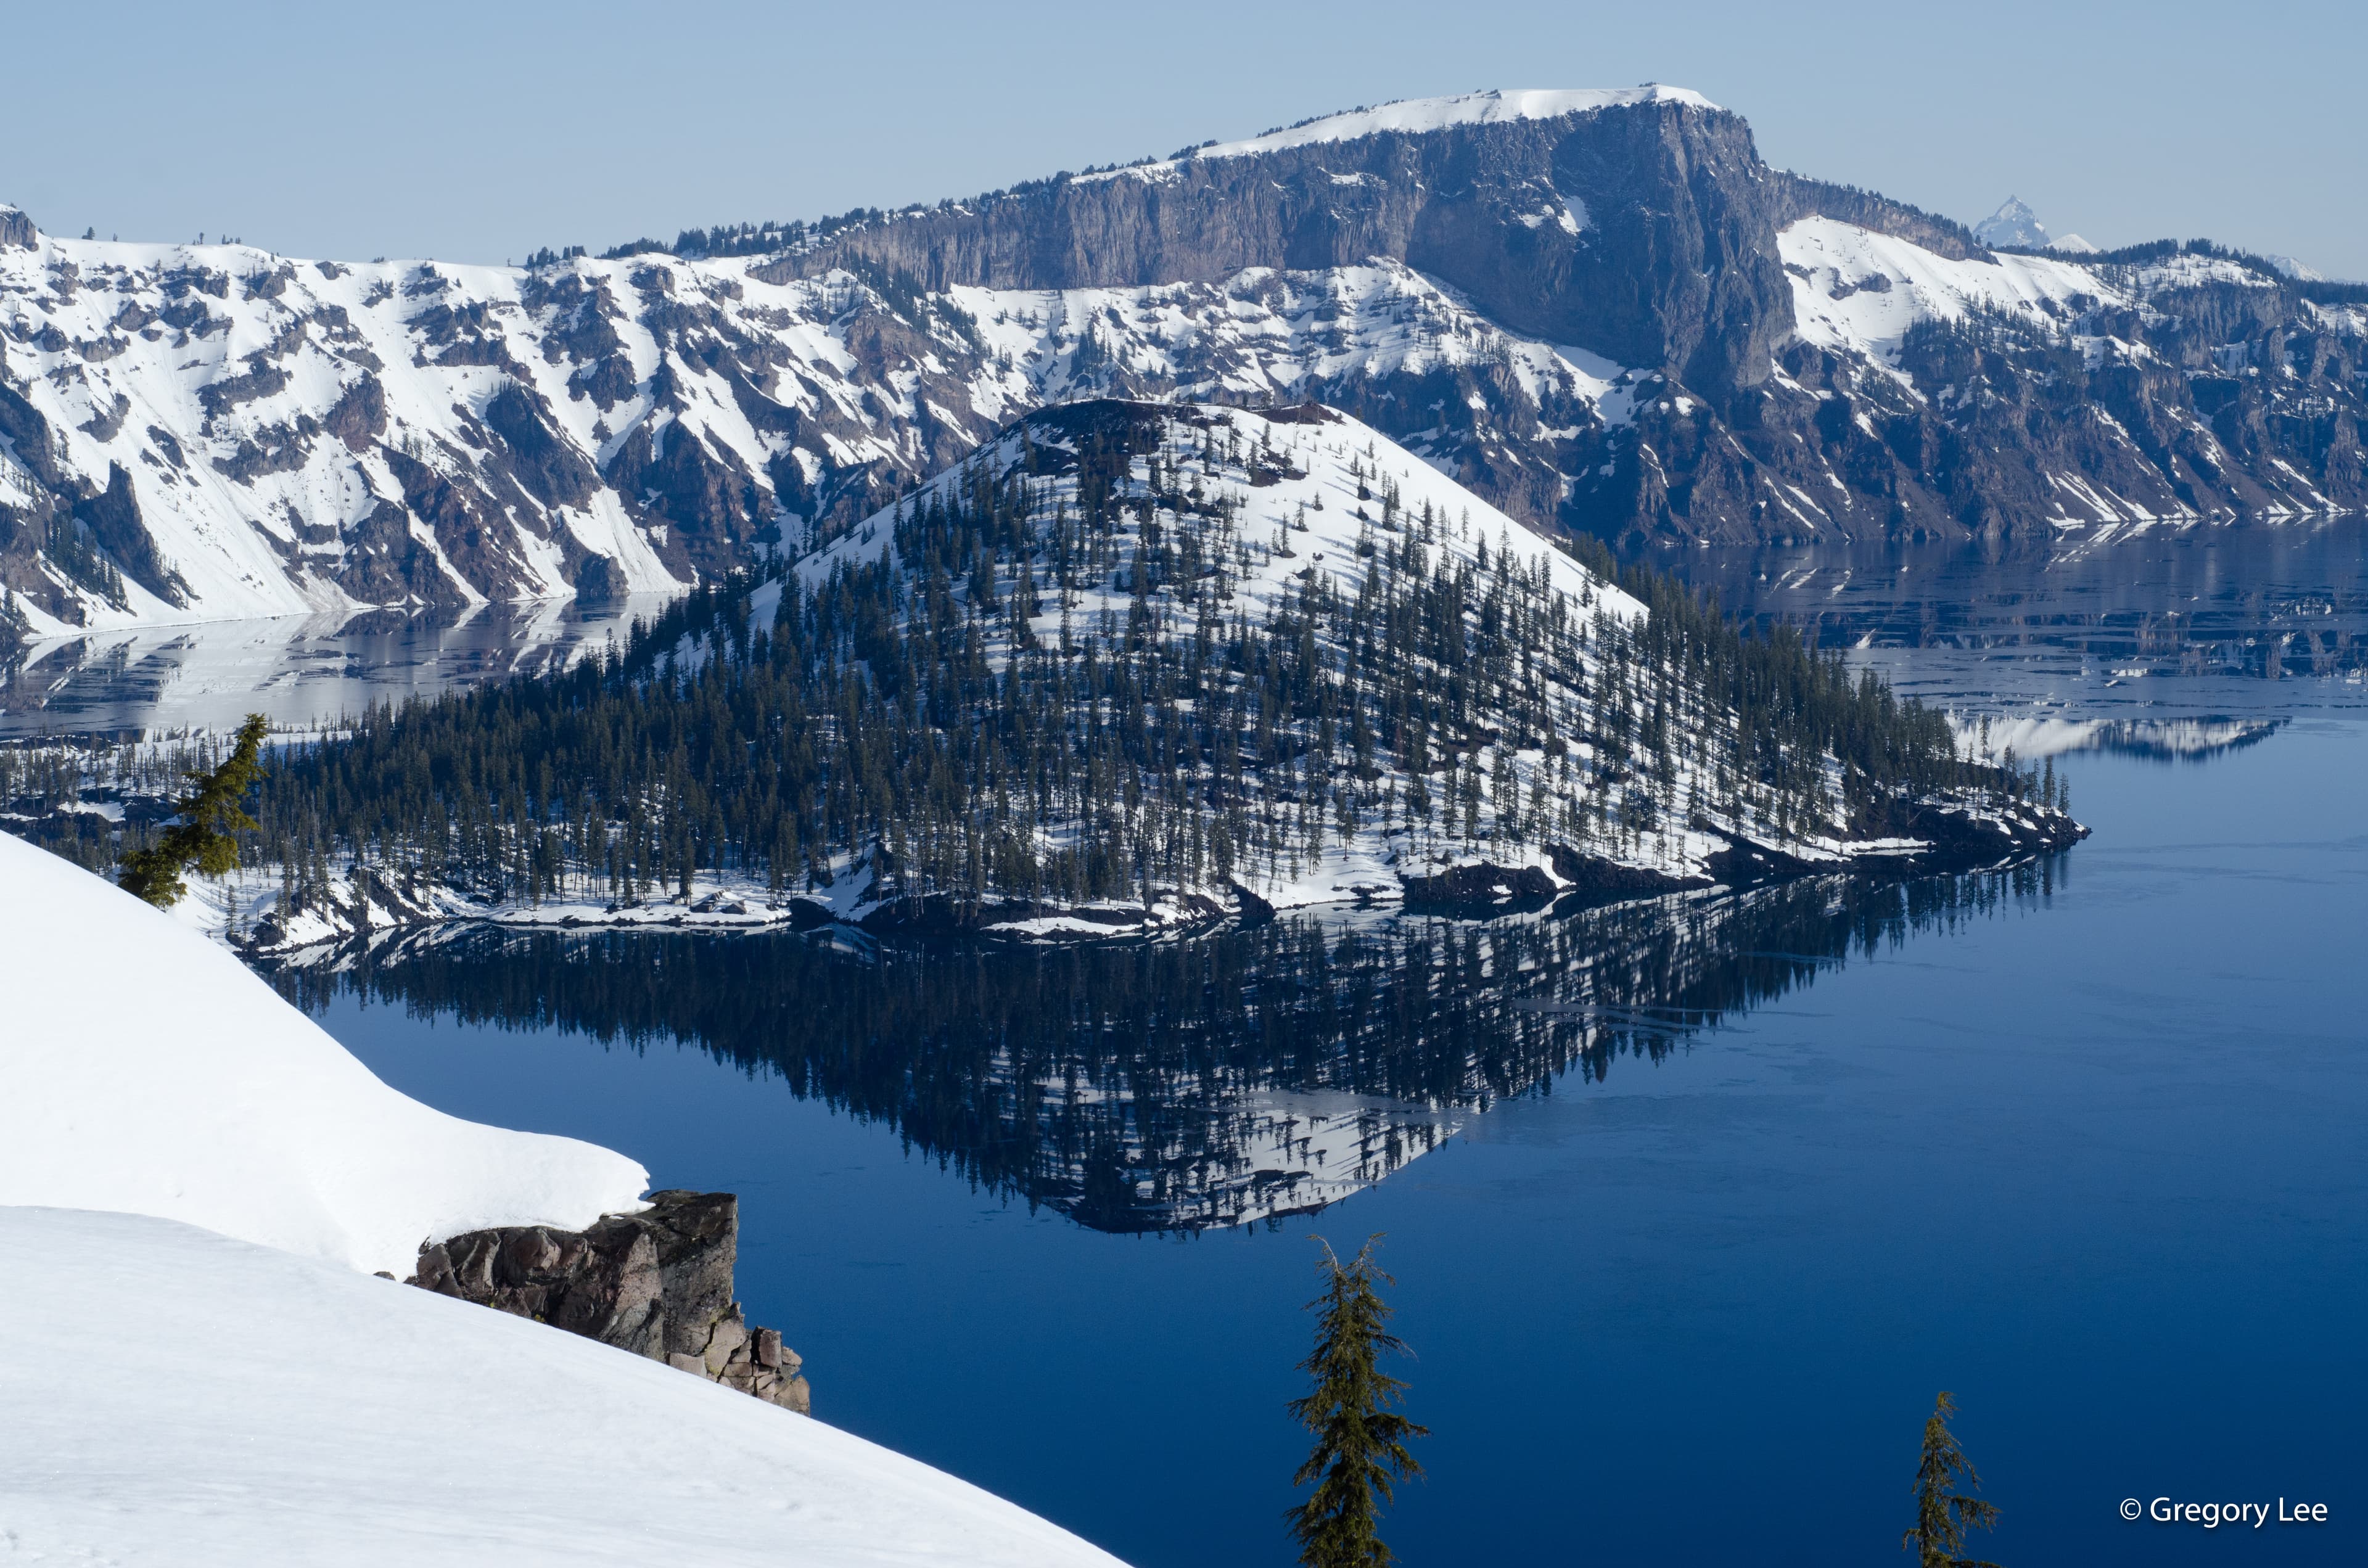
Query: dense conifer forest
x=1129 y=652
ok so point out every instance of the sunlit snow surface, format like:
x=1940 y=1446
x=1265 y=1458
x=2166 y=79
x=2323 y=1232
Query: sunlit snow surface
x=173 y=1397
x=143 y=1068
x=196 y=1369
x=1415 y=115
x=1833 y=263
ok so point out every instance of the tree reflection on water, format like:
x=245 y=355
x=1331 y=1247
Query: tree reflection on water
x=1181 y=1083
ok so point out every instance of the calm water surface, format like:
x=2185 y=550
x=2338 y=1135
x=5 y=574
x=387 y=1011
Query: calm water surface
x=1692 y=1205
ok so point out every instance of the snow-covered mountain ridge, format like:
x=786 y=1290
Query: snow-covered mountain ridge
x=212 y=432
x=1599 y=311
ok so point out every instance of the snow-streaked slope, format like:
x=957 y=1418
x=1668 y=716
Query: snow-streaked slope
x=1315 y=509
x=1301 y=530
x=1415 y=115
x=1261 y=333
x=169 y=1397
x=289 y=429
x=1266 y=514
x=144 y=1069
x=2161 y=324
x=1856 y=291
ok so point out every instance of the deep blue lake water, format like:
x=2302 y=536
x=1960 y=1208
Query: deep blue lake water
x=1702 y=1201
x=2091 y=1158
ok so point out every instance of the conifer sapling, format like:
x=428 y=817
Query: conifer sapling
x=1360 y=1438
x=211 y=813
x=1943 y=1515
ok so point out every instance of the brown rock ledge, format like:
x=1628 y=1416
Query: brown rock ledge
x=657 y=1283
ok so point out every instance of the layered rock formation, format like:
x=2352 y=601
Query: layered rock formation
x=657 y=1283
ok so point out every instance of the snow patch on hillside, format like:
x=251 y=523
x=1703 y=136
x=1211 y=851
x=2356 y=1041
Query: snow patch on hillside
x=252 y=1407
x=1858 y=291
x=144 y=1070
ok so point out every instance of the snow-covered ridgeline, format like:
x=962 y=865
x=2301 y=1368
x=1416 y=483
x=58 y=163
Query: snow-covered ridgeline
x=1858 y=291
x=297 y=437
x=1416 y=116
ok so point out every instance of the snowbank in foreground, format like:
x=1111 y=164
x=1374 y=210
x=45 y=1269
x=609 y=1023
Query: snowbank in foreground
x=235 y=1406
x=144 y=1070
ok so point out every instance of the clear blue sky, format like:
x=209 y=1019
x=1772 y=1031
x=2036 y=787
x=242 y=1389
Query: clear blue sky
x=479 y=131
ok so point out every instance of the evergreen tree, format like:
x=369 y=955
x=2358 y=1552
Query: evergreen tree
x=1942 y=1514
x=211 y=814
x=1360 y=1439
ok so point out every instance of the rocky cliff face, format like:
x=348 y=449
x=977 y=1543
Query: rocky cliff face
x=657 y=1284
x=1601 y=311
x=1641 y=233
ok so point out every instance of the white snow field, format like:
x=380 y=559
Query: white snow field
x=169 y=1396
x=1415 y=115
x=144 y=1069
x=196 y=1367
x=1833 y=263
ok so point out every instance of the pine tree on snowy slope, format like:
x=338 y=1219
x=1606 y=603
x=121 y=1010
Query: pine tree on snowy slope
x=210 y=815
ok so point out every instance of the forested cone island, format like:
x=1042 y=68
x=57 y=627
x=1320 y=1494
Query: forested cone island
x=1139 y=662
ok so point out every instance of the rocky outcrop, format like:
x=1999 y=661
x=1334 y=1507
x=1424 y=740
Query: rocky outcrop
x=1940 y=840
x=112 y=516
x=657 y=1283
x=1478 y=890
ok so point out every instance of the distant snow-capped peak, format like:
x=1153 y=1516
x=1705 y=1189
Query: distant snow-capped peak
x=2014 y=223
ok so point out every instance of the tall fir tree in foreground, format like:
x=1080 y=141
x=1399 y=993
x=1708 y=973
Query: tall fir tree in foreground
x=1360 y=1438
x=211 y=814
x=1943 y=1515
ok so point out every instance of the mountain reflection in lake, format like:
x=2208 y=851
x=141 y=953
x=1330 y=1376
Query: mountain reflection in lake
x=300 y=670
x=2239 y=618
x=1180 y=1085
